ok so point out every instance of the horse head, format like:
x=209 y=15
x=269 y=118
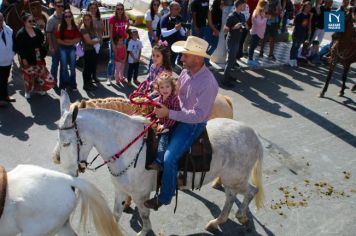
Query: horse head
x=70 y=151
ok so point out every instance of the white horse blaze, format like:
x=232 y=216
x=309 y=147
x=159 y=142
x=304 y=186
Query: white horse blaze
x=237 y=155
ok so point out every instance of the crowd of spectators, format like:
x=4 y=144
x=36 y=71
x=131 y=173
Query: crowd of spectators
x=250 y=23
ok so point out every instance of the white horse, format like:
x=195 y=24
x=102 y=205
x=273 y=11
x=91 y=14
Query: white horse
x=39 y=203
x=237 y=154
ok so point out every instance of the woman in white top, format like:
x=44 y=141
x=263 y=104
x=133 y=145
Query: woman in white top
x=152 y=18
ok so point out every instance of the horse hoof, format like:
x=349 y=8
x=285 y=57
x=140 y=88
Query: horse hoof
x=243 y=219
x=353 y=89
x=340 y=94
x=321 y=95
x=217 y=183
x=141 y=233
x=213 y=224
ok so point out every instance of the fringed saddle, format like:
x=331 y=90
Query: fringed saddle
x=197 y=159
x=3 y=187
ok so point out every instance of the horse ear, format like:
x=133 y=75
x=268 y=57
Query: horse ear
x=65 y=102
x=75 y=113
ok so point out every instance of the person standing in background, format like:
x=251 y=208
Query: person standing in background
x=51 y=27
x=199 y=9
x=234 y=28
x=7 y=55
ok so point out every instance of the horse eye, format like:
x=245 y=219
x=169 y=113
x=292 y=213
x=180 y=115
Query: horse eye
x=66 y=144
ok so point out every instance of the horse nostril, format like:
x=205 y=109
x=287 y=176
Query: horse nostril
x=56 y=160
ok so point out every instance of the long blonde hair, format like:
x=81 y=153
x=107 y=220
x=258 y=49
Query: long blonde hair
x=261 y=7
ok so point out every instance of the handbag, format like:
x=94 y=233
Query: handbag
x=79 y=51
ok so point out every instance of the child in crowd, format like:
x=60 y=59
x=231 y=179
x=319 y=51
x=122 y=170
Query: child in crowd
x=166 y=87
x=134 y=53
x=314 y=52
x=303 y=52
x=308 y=54
x=165 y=7
x=120 y=58
x=259 y=21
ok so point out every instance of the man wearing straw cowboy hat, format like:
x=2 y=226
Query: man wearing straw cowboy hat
x=196 y=89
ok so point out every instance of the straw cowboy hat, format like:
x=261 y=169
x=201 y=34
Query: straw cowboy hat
x=193 y=45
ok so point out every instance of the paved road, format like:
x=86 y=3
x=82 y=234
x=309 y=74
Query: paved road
x=309 y=154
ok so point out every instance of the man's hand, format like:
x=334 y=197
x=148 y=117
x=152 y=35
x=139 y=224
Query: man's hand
x=161 y=112
x=159 y=128
x=178 y=26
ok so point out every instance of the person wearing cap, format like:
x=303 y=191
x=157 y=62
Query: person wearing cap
x=196 y=89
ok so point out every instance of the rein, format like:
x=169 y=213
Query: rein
x=82 y=165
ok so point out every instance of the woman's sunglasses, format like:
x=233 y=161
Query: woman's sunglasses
x=31 y=21
x=67 y=16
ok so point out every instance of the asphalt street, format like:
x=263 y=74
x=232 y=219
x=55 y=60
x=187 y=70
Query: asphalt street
x=309 y=143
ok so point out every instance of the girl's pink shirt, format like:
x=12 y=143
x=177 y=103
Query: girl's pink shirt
x=118 y=27
x=258 y=26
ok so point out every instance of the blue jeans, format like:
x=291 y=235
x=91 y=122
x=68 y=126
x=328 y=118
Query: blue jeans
x=323 y=51
x=67 y=58
x=111 y=64
x=232 y=45
x=162 y=147
x=182 y=137
x=253 y=45
x=55 y=64
x=213 y=42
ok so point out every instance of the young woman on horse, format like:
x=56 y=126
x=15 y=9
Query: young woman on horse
x=160 y=63
x=67 y=36
x=196 y=89
x=30 y=46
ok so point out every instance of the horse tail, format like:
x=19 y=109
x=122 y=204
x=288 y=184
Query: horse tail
x=94 y=202
x=256 y=176
x=228 y=100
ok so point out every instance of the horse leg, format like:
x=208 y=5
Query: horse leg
x=120 y=198
x=241 y=214
x=66 y=230
x=331 y=71
x=144 y=213
x=224 y=215
x=344 y=76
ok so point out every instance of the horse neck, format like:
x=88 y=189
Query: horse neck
x=109 y=132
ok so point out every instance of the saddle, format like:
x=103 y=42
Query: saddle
x=3 y=187
x=197 y=159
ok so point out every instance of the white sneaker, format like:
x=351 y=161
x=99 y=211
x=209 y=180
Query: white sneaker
x=291 y=62
x=108 y=83
x=27 y=95
x=295 y=63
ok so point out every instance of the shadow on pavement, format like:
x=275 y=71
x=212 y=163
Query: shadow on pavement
x=255 y=88
x=230 y=227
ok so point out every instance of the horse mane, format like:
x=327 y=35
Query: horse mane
x=116 y=114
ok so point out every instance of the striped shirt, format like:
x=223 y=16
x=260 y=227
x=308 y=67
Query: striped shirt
x=196 y=94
